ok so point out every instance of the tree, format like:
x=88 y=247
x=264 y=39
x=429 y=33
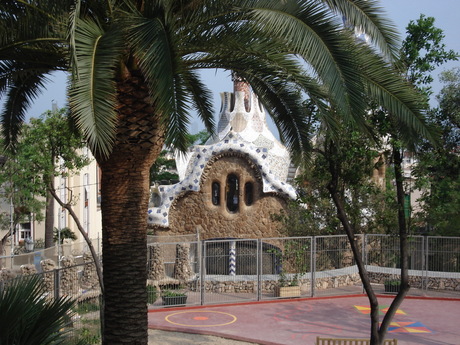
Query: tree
x=438 y=168
x=133 y=79
x=344 y=159
x=160 y=171
x=29 y=318
x=422 y=51
x=19 y=192
x=367 y=194
x=49 y=148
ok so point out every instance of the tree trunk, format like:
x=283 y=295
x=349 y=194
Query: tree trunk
x=124 y=203
x=49 y=219
x=377 y=333
x=334 y=170
x=403 y=248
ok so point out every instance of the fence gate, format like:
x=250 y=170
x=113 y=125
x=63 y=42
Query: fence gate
x=230 y=271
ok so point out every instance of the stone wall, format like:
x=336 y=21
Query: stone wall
x=268 y=286
x=420 y=282
x=89 y=279
x=69 y=278
x=250 y=286
x=195 y=209
x=80 y=284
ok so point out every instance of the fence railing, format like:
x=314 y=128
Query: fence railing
x=229 y=270
x=76 y=249
x=238 y=270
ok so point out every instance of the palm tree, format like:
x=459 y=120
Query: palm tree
x=28 y=317
x=133 y=82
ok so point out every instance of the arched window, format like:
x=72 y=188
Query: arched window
x=215 y=193
x=249 y=193
x=232 y=191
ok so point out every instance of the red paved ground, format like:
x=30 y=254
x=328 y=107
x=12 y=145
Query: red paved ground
x=301 y=321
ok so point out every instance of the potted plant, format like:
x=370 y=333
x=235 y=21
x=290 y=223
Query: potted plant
x=292 y=257
x=173 y=297
x=287 y=287
x=392 y=285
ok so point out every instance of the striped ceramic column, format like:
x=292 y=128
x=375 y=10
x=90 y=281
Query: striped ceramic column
x=232 y=259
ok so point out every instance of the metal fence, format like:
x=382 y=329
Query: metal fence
x=232 y=270
x=239 y=270
x=74 y=248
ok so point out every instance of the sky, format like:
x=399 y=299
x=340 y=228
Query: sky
x=445 y=12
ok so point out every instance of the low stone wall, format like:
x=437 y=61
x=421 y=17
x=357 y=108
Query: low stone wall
x=432 y=283
x=250 y=286
x=324 y=283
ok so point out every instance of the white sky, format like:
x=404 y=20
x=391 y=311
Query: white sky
x=445 y=12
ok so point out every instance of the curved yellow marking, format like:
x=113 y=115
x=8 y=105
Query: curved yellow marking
x=234 y=318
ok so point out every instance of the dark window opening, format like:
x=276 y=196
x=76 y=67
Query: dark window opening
x=249 y=193
x=216 y=193
x=232 y=190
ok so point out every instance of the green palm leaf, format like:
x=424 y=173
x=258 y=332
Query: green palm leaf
x=28 y=316
x=92 y=97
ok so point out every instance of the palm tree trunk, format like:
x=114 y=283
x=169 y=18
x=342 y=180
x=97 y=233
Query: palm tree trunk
x=125 y=195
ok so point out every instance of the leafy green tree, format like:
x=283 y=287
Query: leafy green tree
x=438 y=168
x=65 y=233
x=422 y=51
x=343 y=160
x=18 y=189
x=48 y=147
x=199 y=138
x=133 y=67
x=159 y=171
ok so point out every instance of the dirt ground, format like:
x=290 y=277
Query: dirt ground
x=157 y=337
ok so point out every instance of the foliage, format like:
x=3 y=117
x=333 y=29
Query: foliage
x=64 y=233
x=152 y=294
x=48 y=147
x=423 y=50
x=88 y=330
x=369 y=201
x=257 y=39
x=159 y=171
x=291 y=258
x=86 y=307
x=88 y=335
x=27 y=316
x=172 y=293
x=438 y=168
x=134 y=82
x=199 y=138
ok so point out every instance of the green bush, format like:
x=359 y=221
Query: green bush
x=152 y=294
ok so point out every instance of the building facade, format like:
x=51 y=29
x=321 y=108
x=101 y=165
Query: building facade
x=229 y=187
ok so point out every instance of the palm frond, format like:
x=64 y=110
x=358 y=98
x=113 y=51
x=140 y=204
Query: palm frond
x=367 y=17
x=201 y=98
x=309 y=28
x=387 y=87
x=27 y=316
x=152 y=47
x=93 y=93
x=21 y=93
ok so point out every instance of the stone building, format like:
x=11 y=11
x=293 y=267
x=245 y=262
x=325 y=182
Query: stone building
x=230 y=186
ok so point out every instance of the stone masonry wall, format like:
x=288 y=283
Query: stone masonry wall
x=249 y=286
x=432 y=283
x=195 y=209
